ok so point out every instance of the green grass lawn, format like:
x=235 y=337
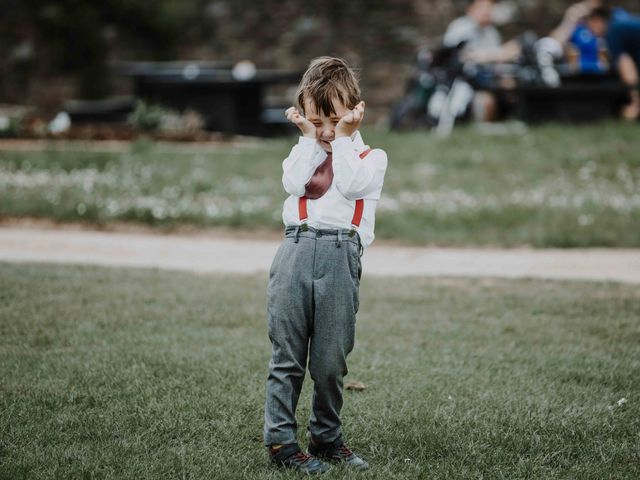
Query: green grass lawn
x=562 y=186
x=114 y=373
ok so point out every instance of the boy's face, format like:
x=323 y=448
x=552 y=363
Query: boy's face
x=325 y=126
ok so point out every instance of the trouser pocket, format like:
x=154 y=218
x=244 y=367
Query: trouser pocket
x=277 y=258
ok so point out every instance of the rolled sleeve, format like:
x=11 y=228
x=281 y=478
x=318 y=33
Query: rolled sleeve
x=298 y=167
x=357 y=177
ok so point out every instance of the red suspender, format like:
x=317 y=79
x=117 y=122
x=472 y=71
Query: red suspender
x=302 y=208
x=357 y=214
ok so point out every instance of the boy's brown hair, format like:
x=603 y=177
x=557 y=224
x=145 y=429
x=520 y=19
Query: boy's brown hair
x=328 y=79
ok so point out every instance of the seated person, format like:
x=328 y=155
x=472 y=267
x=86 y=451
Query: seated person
x=572 y=18
x=588 y=47
x=622 y=34
x=573 y=32
x=482 y=45
x=483 y=42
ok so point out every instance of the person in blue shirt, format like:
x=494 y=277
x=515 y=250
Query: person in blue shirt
x=588 y=23
x=574 y=32
x=621 y=31
x=572 y=22
x=588 y=46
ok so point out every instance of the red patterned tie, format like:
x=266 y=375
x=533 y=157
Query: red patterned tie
x=321 y=179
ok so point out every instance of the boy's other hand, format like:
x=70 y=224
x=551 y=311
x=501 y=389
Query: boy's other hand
x=350 y=122
x=307 y=128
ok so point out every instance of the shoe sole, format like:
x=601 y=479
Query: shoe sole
x=282 y=466
x=342 y=462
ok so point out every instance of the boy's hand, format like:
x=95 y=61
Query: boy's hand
x=350 y=122
x=307 y=128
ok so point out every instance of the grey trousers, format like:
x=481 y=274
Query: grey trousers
x=312 y=300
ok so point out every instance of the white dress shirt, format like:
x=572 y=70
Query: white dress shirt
x=466 y=29
x=353 y=178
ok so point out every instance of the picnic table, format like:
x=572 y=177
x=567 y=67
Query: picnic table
x=227 y=104
x=579 y=98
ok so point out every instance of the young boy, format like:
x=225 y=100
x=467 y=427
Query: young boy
x=334 y=181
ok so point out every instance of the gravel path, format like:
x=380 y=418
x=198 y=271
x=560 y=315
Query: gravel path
x=208 y=254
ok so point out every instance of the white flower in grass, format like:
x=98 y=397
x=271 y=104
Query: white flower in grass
x=212 y=210
x=52 y=197
x=159 y=212
x=584 y=220
x=88 y=181
x=619 y=403
x=112 y=207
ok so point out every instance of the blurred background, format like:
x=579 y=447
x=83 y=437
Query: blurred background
x=505 y=121
x=55 y=51
x=150 y=134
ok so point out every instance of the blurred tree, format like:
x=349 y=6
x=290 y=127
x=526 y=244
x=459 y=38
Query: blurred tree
x=81 y=37
x=75 y=36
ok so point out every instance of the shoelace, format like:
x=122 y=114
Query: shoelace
x=344 y=450
x=301 y=456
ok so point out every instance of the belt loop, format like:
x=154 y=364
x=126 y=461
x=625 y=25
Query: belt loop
x=296 y=234
x=339 y=241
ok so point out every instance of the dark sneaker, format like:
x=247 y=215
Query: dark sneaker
x=290 y=456
x=337 y=452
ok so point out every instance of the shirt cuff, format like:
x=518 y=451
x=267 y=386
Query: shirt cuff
x=342 y=143
x=306 y=141
x=312 y=148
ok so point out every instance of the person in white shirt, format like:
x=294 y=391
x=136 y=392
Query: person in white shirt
x=354 y=178
x=482 y=45
x=334 y=182
x=483 y=42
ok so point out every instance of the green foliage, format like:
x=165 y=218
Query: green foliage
x=147 y=117
x=9 y=127
x=78 y=37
